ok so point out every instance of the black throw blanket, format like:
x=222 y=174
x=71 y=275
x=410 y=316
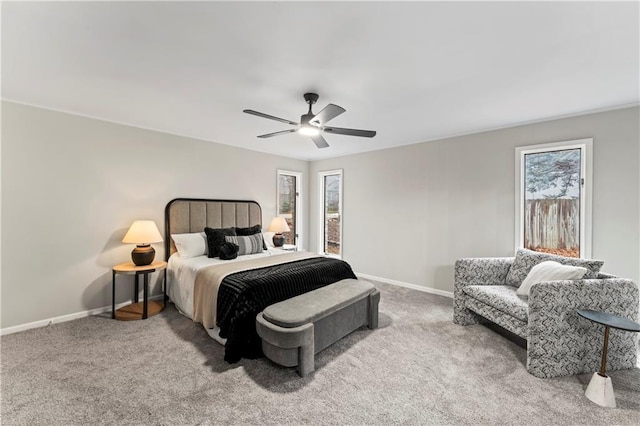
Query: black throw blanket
x=243 y=295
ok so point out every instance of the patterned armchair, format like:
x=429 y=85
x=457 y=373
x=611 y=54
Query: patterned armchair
x=559 y=341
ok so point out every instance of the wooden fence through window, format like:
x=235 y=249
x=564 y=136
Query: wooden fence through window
x=553 y=225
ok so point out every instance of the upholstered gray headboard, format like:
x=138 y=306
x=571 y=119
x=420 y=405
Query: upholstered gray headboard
x=186 y=215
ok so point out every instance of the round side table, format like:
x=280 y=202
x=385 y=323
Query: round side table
x=136 y=310
x=600 y=389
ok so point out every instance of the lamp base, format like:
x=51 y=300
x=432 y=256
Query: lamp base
x=278 y=240
x=143 y=255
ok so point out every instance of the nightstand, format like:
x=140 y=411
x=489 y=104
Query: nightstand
x=137 y=310
x=289 y=247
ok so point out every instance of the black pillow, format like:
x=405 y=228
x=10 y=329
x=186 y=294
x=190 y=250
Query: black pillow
x=215 y=238
x=248 y=231
x=245 y=232
x=229 y=251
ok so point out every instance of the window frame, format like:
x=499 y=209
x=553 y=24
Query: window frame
x=299 y=236
x=321 y=198
x=586 y=176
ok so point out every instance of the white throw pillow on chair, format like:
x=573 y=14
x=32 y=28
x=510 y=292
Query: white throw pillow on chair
x=549 y=271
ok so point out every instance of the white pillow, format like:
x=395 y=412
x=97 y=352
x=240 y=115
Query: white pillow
x=191 y=245
x=549 y=271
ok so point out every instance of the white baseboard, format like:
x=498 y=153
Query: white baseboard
x=83 y=314
x=407 y=285
x=64 y=318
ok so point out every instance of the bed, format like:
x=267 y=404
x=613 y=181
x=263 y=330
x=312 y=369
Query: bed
x=226 y=295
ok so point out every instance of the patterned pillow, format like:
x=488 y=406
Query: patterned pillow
x=549 y=271
x=527 y=259
x=252 y=230
x=215 y=238
x=247 y=244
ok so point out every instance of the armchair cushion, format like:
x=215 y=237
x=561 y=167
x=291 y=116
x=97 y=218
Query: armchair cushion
x=500 y=297
x=527 y=259
x=506 y=321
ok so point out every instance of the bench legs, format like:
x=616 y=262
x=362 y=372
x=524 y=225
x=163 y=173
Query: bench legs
x=306 y=358
x=374 y=300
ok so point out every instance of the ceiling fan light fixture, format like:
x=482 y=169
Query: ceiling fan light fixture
x=313 y=124
x=309 y=130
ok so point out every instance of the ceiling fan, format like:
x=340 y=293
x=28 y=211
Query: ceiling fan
x=314 y=124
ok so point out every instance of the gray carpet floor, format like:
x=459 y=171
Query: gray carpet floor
x=417 y=368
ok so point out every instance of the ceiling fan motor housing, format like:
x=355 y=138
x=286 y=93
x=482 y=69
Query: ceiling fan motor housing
x=304 y=119
x=311 y=98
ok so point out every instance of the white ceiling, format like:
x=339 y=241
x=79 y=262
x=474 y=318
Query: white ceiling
x=414 y=71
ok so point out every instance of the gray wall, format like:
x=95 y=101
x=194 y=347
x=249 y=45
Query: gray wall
x=410 y=212
x=71 y=186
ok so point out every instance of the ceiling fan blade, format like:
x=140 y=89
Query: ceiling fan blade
x=270 y=117
x=350 y=132
x=282 y=132
x=319 y=141
x=329 y=112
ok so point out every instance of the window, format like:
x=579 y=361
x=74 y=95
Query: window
x=553 y=198
x=288 y=201
x=331 y=212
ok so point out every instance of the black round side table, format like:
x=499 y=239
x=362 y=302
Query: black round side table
x=600 y=389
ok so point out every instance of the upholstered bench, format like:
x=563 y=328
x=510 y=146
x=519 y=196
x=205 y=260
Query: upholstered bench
x=296 y=329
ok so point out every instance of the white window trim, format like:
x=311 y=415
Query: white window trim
x=299 y=203
x=321 y=176
x=586 y=173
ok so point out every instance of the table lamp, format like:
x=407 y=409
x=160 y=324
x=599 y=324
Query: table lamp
x=143 y=233
x=278 y=225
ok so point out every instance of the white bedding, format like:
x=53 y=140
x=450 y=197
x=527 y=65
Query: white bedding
x=181 y=277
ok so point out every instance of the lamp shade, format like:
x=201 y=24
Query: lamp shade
x=278 y=225
x=142 y=232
